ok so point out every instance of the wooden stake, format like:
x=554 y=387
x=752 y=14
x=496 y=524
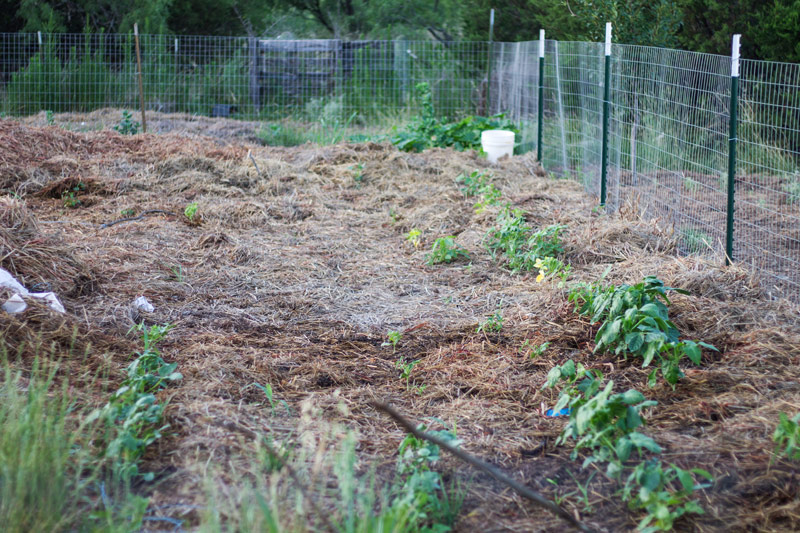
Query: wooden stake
x=141 y=85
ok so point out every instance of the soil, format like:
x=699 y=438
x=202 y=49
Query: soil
x=293 y=272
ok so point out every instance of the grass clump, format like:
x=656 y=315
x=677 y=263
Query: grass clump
x=47 y=468
x=787 y=437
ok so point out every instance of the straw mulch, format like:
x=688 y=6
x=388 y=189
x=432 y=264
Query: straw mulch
x=296 y=272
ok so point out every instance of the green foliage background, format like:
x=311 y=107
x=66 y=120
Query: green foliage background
x=769 y=28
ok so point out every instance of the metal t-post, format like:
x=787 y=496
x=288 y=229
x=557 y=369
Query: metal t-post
x=489 y=65
x=541 y=98
x=606 y=98
x=733 y=118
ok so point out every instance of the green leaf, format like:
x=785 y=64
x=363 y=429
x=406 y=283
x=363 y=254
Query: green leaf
x=643 y=441
x=623 y=448
x=632 y=396
x=692 y=351
x=634 y=341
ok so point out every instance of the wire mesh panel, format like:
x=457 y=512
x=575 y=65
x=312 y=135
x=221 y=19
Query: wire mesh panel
x=574 y=126
x=669 y=140
x=767 y=209
x=308 y=80
x=514 y=87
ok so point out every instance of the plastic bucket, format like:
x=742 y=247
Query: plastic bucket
x=497 y=143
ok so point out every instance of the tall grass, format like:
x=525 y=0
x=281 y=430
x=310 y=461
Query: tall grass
x=47 y=468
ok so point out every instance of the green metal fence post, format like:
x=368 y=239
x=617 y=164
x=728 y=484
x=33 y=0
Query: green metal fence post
x=733 y=118
x=606 y=98
x=540 y=103
x=489 y=65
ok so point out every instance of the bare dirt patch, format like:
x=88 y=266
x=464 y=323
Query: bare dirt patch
x=297 y=271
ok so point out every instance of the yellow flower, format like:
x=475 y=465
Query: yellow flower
x=538 y=264
x=540 y=277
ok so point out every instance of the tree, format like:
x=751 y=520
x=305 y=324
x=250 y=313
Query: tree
x=642 y=22
x=520 y=20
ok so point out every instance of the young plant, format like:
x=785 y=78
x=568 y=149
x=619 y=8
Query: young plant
x=474 y=182
x=635 y=322
x=492 y=324
x=127 y=126
x=405 y=368
x=191 y=212
x=358 y=173
x=413 y=237
x=445 y=250
x=273 y=403
x=70 y=196
x=393 y=337
x=533 y=351
x=550 y=267
x=787 y=437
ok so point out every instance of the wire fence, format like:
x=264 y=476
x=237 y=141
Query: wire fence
x=668 y=115
x=240 y=77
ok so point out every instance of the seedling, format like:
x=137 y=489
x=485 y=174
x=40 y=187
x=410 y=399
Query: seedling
x=70 y=196
x=413 y=237
x=177 y=272
x=534 y=351
x=48 y=115
x=445 y=250
x=128 y=212
x=405 y=368
x=191 y=212
x=393 y=338
x=358 y=173
x=787 y=437
x=493 y=323
x=127 y=126
x=273 y=403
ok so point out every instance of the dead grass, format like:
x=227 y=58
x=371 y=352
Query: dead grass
x=296 y=274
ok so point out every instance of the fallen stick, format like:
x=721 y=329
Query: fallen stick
x=140 y=217
x=486 y=467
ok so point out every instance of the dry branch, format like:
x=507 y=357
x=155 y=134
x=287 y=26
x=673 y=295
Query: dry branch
x=522 y=490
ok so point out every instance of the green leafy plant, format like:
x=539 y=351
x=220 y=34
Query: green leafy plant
x=428 y=131
x=405 y=368
x=535 y=350
x=413 y=237
x=492 y=323
x=127 y=126
x=787 y=437
x=133 y=413
x=445 y=250
x=129 y=212
x=393 y=337
x=474 y=182
x=48 y=116
x=664 y=493
x=358 y=173
x=550 y=267
x=635 y=322
x=695 y=240
x=70 y=197
x=524 y=249
x=190 y=212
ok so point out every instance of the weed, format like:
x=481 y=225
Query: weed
x=177 y=273
x=492 y=323
x=792 y=188
x=133 y=413
x=549 y=267
x=474 y=182
x=129 y=212
x=48 y=115
x=787 y=437
x=127 y=126
x=525 y=249
x=358 y=173
x=445 y=250
x=690 y=185
x=273 y=403
x=393 y=338
x=695 y=240
x=413 y=237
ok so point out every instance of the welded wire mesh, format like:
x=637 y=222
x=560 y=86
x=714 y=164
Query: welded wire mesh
x=767 y=209
x=312 y=80
x=668 y=140
x=514 y=87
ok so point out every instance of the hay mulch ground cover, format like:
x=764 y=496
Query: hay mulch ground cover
x=293 y=274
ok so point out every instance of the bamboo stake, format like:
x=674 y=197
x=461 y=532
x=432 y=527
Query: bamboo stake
x=139 y=66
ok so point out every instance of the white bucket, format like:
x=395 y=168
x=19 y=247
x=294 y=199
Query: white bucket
x=497 y=143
